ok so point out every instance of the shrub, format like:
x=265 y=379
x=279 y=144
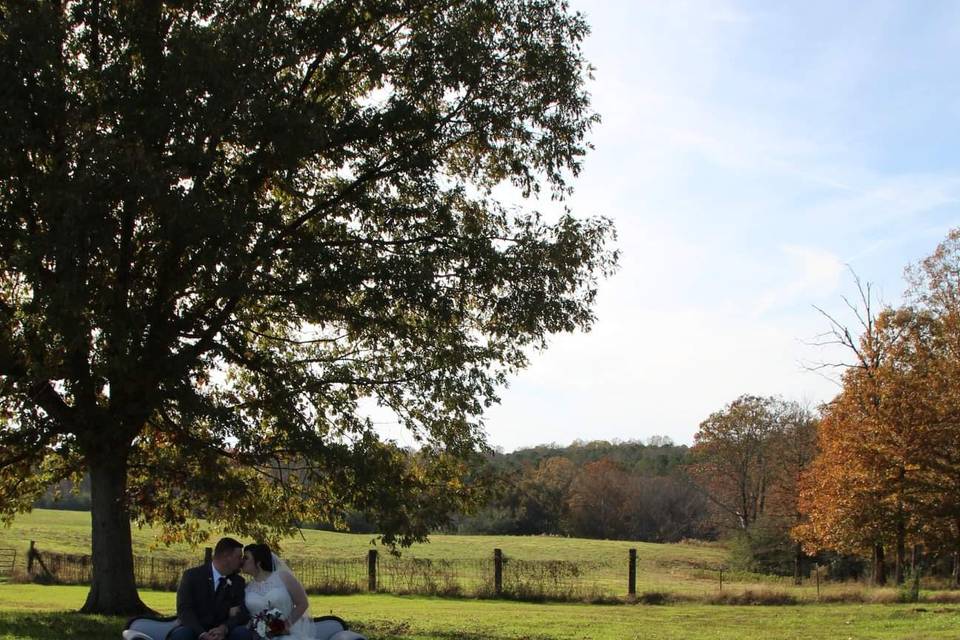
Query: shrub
x=909 y=591
x=653 y=597
x=766 y=547
x=752 y=597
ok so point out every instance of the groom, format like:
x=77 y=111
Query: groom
x=210 y=598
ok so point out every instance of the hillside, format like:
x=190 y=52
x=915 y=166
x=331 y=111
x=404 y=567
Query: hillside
x=69 y=532
x=679 y=567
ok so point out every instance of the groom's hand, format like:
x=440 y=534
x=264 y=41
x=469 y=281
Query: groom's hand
x=217 y=633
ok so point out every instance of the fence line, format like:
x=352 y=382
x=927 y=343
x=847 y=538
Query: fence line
x=522 y=579
x=496 y=576
x=65 y=568
x=8 y=559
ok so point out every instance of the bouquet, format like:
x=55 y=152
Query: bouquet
x=269 y=623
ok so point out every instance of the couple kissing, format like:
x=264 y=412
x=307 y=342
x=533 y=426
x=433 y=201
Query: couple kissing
x=214 y=602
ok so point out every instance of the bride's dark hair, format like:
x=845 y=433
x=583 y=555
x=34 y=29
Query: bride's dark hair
x=261 y=555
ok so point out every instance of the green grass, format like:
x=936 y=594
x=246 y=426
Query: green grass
x=675 y=569
x=659 y=567
x=33 y=612
x=69 y=532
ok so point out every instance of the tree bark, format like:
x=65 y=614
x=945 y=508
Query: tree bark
x=901 y=559
x=879 y=566
x=956 y=569
x=113 y=590
x=797 y=563
x=901 y=551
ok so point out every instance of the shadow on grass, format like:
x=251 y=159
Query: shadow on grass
x=69 y=625
x=59 y=625
x=403 y=631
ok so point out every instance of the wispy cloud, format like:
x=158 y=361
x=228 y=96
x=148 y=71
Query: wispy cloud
x=747 y=154
x=813 y=272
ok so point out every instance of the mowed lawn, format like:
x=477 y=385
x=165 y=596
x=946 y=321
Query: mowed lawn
x=34 y=612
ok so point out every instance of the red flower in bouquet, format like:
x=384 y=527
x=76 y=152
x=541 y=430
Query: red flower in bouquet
x=277 y=627
x=269 y=623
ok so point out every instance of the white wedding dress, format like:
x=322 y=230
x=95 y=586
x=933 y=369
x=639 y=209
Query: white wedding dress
x=271 y=593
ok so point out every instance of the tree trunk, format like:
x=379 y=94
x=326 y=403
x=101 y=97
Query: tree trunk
x=901 y=560
x=956 y=555
x=901 y=550
x=879 y=566
x=797 y=563
x=956 y=569
x=113 y=589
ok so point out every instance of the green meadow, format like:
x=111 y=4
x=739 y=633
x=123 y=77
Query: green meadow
x=683 y=571
x=69 y=532
x=684 y=568
x=33 y=612
x=686 y=571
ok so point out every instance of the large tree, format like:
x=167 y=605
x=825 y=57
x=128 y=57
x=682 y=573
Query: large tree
x=227 y=229
x=889 y=465
x=931 y=356
x=733 y=459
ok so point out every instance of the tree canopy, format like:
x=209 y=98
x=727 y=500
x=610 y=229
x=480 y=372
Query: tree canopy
x=747 y=458
x=887 y=473
x=228 y=229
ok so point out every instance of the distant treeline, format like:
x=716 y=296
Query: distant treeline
x=612 y=490
x=67 y=496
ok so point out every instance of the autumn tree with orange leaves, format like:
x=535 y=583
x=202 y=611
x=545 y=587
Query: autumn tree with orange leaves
x=888 y=473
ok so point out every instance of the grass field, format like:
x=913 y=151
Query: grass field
x=680 y=570
x=677 y=567
x=33 y=612
x=69 y=532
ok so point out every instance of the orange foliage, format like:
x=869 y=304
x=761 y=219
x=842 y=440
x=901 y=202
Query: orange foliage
x=888 y=471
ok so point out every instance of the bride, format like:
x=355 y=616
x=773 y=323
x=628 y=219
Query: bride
x=274 y=586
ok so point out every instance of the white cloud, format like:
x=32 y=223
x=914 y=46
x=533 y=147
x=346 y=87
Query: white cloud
x=746 y=158
x=811 y=274
x=652 y=373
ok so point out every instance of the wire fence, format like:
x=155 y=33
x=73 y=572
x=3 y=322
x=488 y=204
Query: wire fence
x=502 y=576
x=520 y=579
x=331 y=575
x=8 y=559
x=64 y=568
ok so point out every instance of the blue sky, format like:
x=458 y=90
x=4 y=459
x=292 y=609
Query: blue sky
x=748 y=153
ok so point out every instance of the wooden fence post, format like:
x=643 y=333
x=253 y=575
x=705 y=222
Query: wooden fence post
x=372 y=570
x=816 y=569
x=207 y=555
x=721 y=578
x=632 y=576
x=497 y=572
x=32 y=555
